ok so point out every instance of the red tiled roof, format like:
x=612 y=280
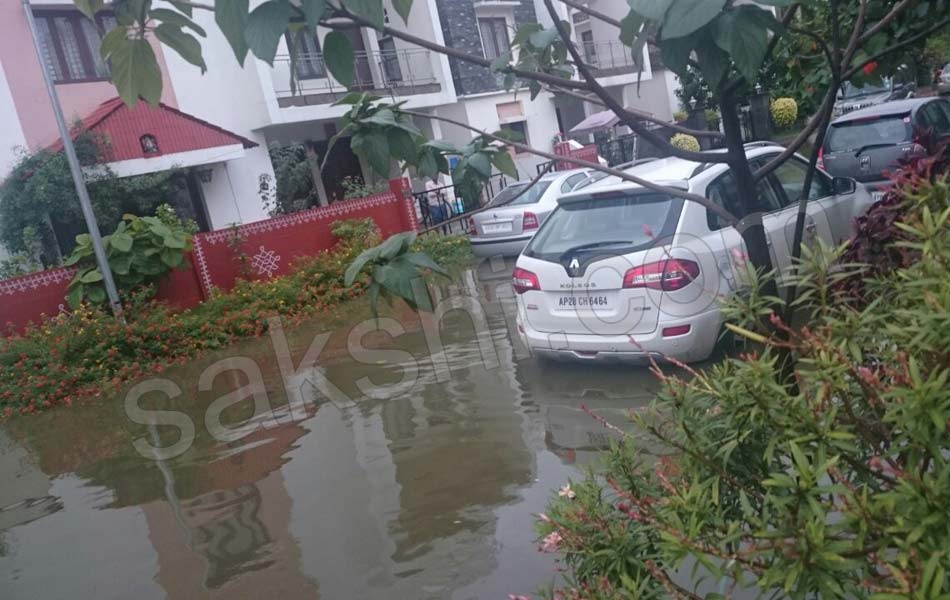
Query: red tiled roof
x=174 y=130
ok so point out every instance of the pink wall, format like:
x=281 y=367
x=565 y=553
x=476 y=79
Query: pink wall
x=25 y=79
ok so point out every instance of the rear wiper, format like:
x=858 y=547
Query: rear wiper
x=869 y=146
x=570 y=251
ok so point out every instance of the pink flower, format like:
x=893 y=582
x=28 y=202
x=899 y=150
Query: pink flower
x=544 y=517
x=550 y=542
x=567 y=492
x=517 y=597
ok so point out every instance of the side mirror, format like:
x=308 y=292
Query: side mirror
x=844 y=185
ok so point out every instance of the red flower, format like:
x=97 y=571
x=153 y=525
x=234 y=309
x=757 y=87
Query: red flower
x=870 y=67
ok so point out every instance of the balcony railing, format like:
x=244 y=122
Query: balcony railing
x=608 y=58
x=392 y=72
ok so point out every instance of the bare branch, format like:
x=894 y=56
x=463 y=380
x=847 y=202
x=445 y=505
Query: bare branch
x=884 y=22
x=895 y=47
x=455 y=53
x=592 y=12
x=678 y=193
x=856 y=33
x=801 y=138
x=818 y=40
x=628 y=118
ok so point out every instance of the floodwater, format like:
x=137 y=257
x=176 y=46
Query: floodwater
x=427 y=491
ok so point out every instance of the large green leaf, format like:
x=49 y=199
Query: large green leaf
x=185 y=44
x=121 y=241
x=403 y=7
x=171 y=257
x=265 y=26
x=89 y=7
x=371 y=10
x=504 y=163
x=396 y=244
x=358 y=263
x=630 y=27
x=686 y=16
x=91 y=276
x=652 y=10
x=135 y=72
x=713 y=62
x=177 y=19
x=481 y=163
x=340 y=58
x=421 y=259
x=676 y=53
x=231 y=17
x=313 y=11
x=404 y=280
x=743 y=33
x=401 y=145
x=376 y=150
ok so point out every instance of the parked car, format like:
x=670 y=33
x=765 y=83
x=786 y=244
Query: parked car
x=852 y=97
x=511 y=219
x=620 y=273
x=867 y=143
x=943 y=81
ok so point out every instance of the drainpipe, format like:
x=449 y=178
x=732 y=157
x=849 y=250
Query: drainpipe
x=76 y=170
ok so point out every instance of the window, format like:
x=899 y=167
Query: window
x=149 y=144
x=935 y=119
x=571 y=181
x=791 y=178
x=724 y=193
x=520 y=129
x=494 y=32
x=308 y=56
x=390 y=60
x=70 y=45
x=590 y=48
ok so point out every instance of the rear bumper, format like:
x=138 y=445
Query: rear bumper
x=694 y=346
x=507 y=246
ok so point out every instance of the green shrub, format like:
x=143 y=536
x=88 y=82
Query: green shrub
x=685 y=142
x=87 y=352
x=140 y=251
x=680 y=116
x=832 y=483
x=784 y=112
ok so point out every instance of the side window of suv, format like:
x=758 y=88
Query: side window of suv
x=571 y=181
x=791 y=178
x=932 y=117
x=723 y=192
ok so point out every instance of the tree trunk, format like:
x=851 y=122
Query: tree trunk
x=314 y=159
x=750 y=226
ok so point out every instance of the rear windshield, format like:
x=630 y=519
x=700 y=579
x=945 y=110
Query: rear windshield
x=616 y=225
x=504 y=197
x=849 y=90
x=858 y=134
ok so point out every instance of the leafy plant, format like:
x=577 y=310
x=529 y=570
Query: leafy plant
x=835 y=486
x=140 y=251
x=784 y=112
x=685 y=141
x=355 y=187
x=395 y=271
x=292 y=188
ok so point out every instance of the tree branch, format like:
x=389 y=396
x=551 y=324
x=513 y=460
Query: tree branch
x=884 y=22
x=592 y=12
x=678 y=193
x=895 y=47
x=628 y=118
x=800 y=139
x=459 y=54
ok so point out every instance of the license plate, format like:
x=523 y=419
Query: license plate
x=582 y=301
x=875 y=196
x=496 y=227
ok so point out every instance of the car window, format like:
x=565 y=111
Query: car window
x=618 y=225
x=852 y=135
x=936 y=119
x=571 y=181
x=790 y=177
x=723 y=192
x=533 y=195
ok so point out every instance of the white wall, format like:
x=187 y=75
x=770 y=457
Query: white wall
x=11 y=135
x=231 y=195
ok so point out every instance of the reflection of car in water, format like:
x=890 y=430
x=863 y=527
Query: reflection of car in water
x=852 y=97
x=514 y=215
x=621 y=273
x=867 y=143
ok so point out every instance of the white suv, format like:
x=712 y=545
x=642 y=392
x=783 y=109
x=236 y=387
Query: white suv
x=619 y=272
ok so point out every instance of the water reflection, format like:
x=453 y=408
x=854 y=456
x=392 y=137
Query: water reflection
x=426 y=494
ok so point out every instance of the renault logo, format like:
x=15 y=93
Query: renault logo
x=574 y=266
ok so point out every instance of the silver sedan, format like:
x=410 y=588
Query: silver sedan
x=516 y=213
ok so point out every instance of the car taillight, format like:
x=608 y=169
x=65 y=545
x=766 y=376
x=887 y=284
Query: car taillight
x=471 y=227
x=821 y=158
x=530 y=221
x=667 y=275
x=524 y=280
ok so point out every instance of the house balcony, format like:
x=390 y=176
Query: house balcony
x=398 y=73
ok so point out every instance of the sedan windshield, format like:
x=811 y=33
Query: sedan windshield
x=509 y=196
x=854 y=135
x=849 y=90
x=604 y=225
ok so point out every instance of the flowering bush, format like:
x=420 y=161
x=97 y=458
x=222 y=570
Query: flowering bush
x=832 y=483
x=784 y=112
x=87 y=352
x=685 y=141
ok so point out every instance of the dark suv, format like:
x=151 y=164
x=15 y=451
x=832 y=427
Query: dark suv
x=868 y=143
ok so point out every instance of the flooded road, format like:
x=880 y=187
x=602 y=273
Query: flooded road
x=428 y=490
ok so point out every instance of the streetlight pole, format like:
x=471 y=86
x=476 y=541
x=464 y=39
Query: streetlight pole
x=76 y=170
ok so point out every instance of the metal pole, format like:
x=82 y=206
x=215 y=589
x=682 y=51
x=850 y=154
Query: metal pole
x=76 y=170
